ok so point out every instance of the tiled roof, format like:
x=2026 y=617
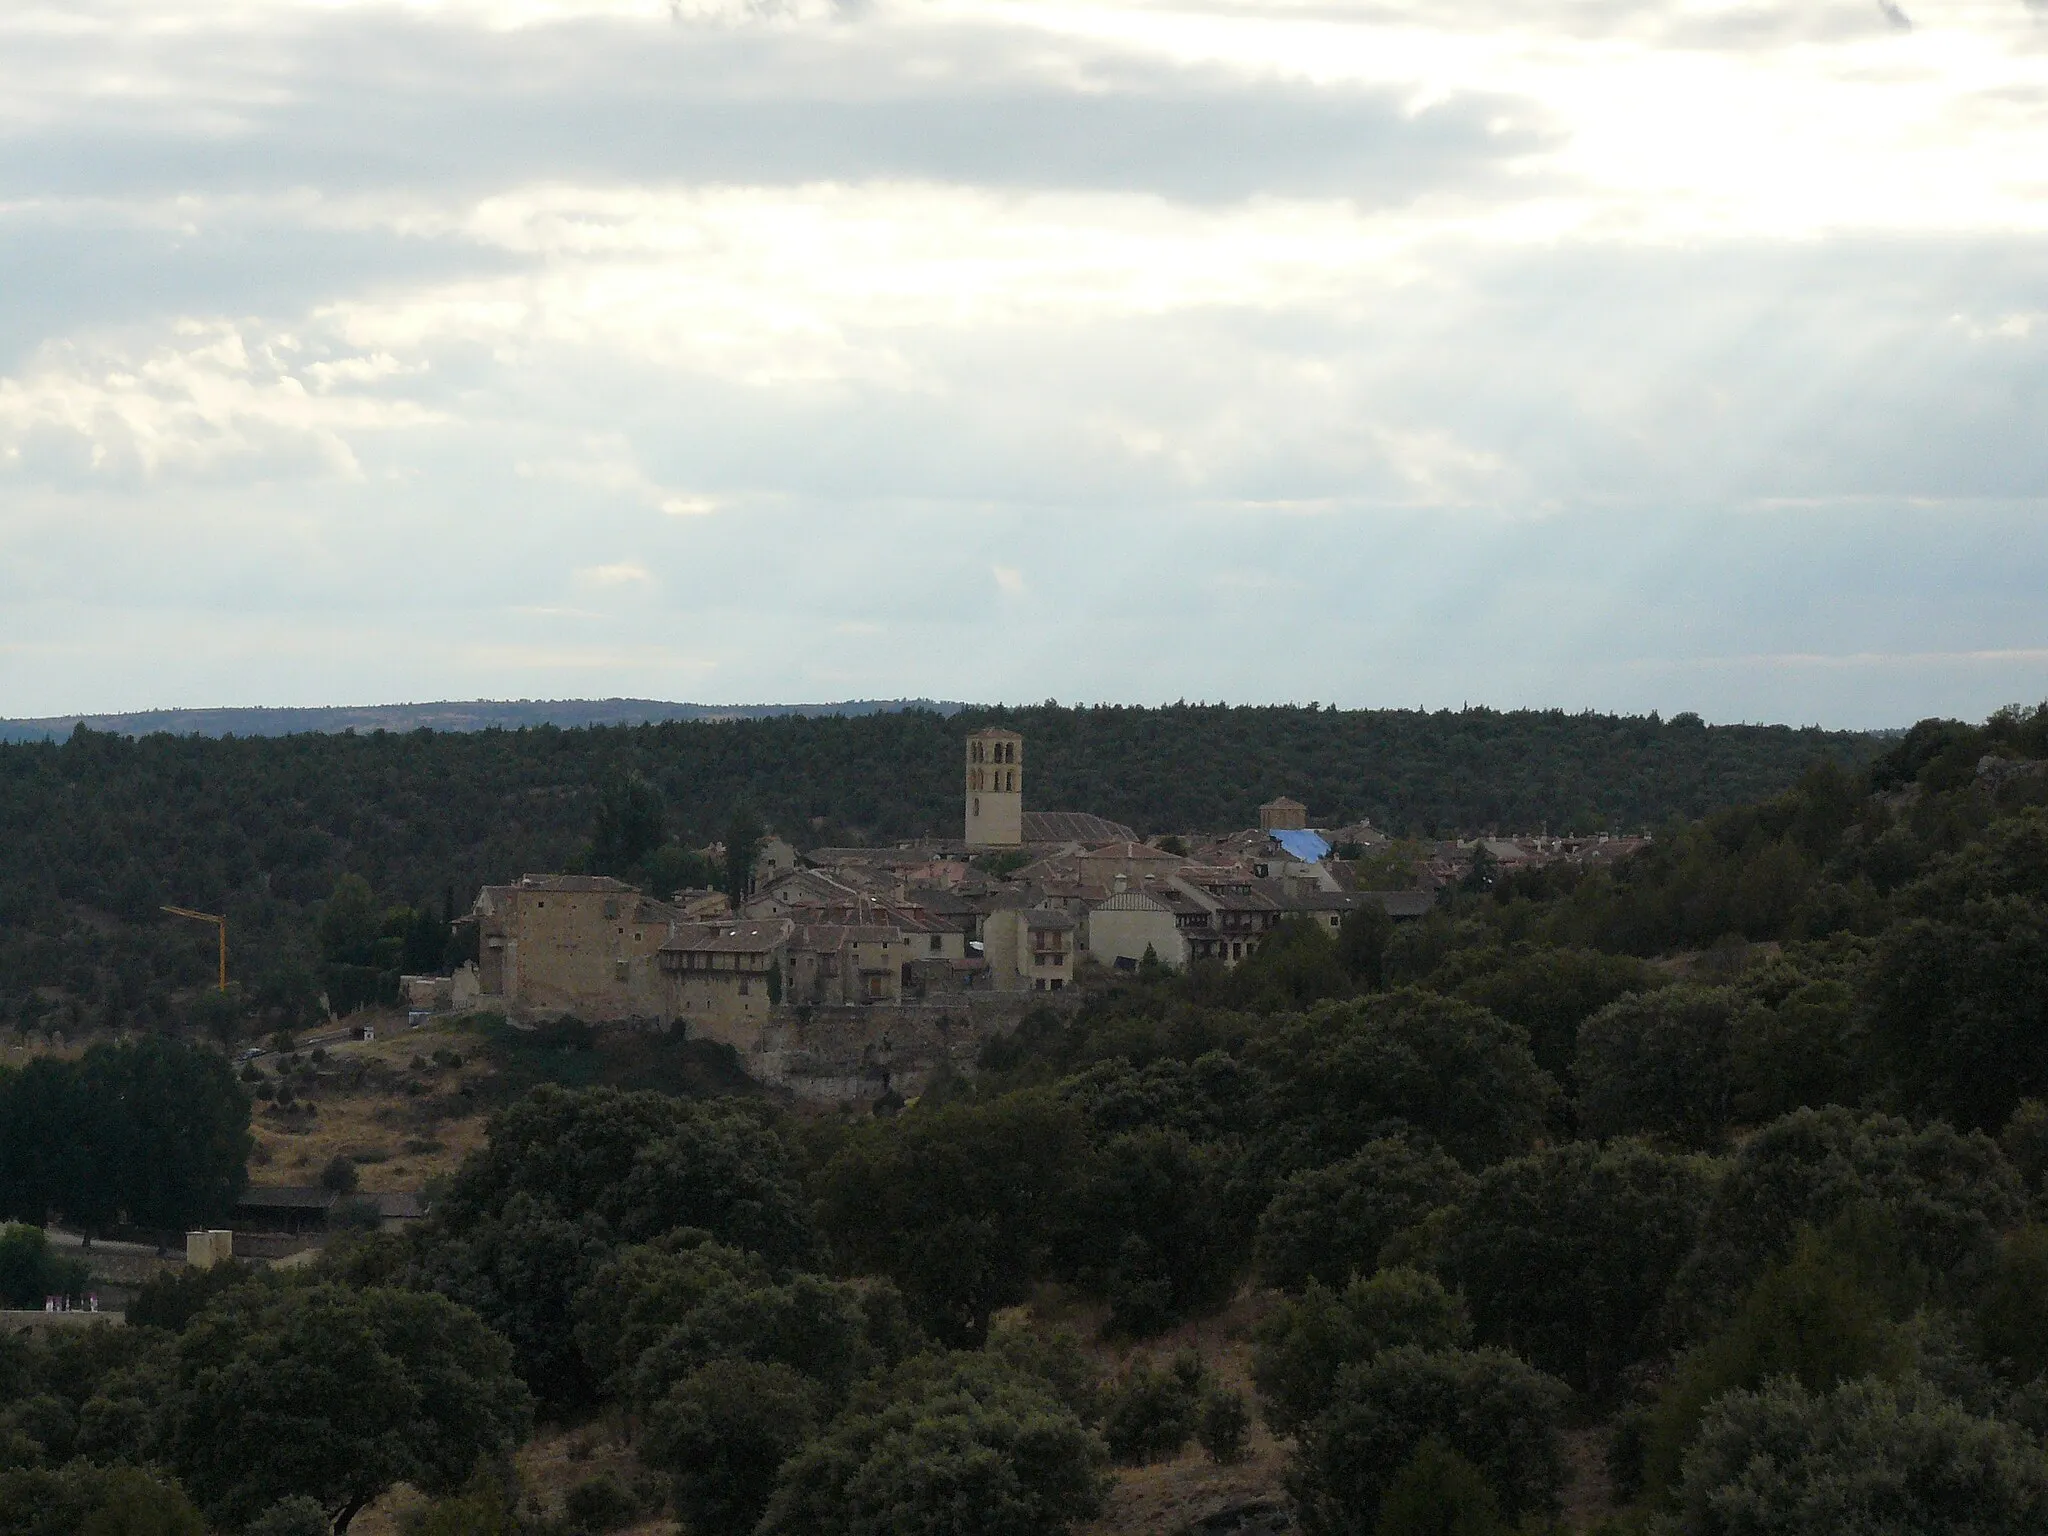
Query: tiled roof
x=1133 y=901
x=287 y=1197
x=1074 y=827
x=743 y=937
x=603 y=883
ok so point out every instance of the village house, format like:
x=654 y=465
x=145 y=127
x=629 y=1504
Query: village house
x=721 y=979
x=1030 y=949
x=1121 y=929
x=571 y=944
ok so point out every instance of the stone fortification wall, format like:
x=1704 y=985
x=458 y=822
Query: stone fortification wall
x=860 y=1053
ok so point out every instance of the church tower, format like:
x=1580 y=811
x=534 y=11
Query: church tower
x=995 y=789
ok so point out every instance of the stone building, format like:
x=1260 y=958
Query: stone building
x=721 y=979
x=1030 y=949
x=571 y=944
x=995 y=789
x=1122 y=928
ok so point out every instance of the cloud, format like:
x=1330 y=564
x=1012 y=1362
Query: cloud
x=624 y=573
x=1534 y=352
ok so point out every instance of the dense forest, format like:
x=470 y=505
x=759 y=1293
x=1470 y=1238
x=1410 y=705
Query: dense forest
x=100 y=831
x=1728 y=1167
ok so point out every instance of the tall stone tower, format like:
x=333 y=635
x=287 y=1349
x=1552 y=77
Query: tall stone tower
x=995 y=789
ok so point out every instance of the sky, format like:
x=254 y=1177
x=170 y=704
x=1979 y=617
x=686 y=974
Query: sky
x=1622 y=354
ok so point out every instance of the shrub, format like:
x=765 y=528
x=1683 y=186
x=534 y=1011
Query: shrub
x=295 y=1516
x=1150 y=1415
x=1659 y=1064
x=1565 y=1256
x=30 y=1269
x=1331 y=1223
x=1868 y=1456
x=955 y=1445
x=722 y=1434
x=1487 y=1406
x=600 y=1504
x=1300 y=1349
x=1438 y=1493
x=1223 y=1424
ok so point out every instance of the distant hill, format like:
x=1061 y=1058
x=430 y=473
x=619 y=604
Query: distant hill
x=448 y=715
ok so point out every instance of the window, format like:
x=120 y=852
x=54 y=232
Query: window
x=746 y=987
x=937 y=944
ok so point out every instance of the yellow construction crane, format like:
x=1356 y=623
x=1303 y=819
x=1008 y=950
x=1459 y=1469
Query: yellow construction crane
x=219 y=922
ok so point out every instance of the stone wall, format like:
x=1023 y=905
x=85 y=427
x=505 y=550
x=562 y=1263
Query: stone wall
x=854 y=1054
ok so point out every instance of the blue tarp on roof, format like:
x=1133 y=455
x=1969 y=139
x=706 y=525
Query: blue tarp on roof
x=1308 y=847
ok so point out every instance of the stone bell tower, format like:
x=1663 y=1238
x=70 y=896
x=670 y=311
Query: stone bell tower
x=995 y=789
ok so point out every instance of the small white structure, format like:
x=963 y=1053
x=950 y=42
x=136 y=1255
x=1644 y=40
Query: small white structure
x=203 y=1250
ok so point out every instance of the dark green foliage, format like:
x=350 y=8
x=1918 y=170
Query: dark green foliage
x=171 y=1298
x=641 y=1164
x=1565 y=1255
x=1659 y=1064
x=294 y=1516
x=723 y=1433
x=1814 y=1319
x=1155 y=1235
x=1056 y=1358
x=2012 y=1315
x=1294 y=966
x=1330 y=1223
x=2025 y=1144
x=1491 y=1409
x=1222 y=1423
x=953 y=1445
x=1804 y=1049
x=30 y=1269
x=816 y=1326
x=346 y=1392
x=1548 y=992
x=1948 y=1196
x=150 y=1130
x=1362 y=945
x=630 y=824
x=1958 y=1007
x=1869 y=1457
x=599 y=1504
x=961 y=1206
x=1305 y=1343
x=84 y=1500
x=1149 y=1414
x=1210 y=1099
x=743 y=836
x=1350 y=1073
x=1439 y=1493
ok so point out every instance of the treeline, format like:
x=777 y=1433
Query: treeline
x=146 y=1133
x=104 y=827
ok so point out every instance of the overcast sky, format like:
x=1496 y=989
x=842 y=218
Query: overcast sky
x=1616 y=353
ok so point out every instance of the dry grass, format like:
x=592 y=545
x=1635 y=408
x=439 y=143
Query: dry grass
x=1166 y=1496
x=400 y=1139
x=549 y=1465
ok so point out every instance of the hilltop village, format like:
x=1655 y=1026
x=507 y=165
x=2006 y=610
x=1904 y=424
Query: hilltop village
x=1023 y=903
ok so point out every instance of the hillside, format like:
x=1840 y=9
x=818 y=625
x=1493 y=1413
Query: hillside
x=99 y=832
x=1595 y=1199
x=445 y=715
